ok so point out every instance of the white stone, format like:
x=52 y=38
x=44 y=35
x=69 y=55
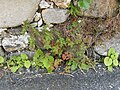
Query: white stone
x=51 y=5
x=54 y=15
x=14 y=43
x=40 y=22
x=2 y=29
x=44 y=4
x=37 y=16
x=15 y=12
x=62 y=3
x=34 y=24
x=103 y=47
x=40 y=28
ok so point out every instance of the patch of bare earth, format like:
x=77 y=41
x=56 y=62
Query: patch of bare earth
x=94 y=28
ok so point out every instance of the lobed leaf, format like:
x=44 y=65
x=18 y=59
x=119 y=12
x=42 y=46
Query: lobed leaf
x=115 y=62
x=14 y=68
x=24 y=56
x=107 y=61
x=111 y=51
x=74 y=66
x=27 y=64
x=1 y=59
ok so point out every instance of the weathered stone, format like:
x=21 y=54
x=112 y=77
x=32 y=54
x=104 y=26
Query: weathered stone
x=54 y=15
x=2 y=34
x=44 y=4
x=103 y=47
x=37 y=16
x=2 y=53
x=14 y=31
x=62 y=3
x=15 y=12
x=34 y=24
x=14 y=43
x=40 y=22
x=102 y=8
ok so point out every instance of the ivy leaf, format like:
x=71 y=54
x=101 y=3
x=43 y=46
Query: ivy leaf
x=74 y=66
x=110 y=68
x=27 y=64
x=46 y=63
x=115 y=62
x=24 y=56
x=69 y=62
x=1 y=59
x=84 y=66
x=18 y=59
x=84 y=4
x=38 y=53
x=107 y=61
x=112 y=57
x=111 y=51
x=13 y=58
x=14 y=68
x=51 y=59
x=116 y=55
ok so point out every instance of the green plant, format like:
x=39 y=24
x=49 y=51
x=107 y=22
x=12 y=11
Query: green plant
x=52 y=48
x=34 y=40
x=77 y=48
x=1 y=61
x=17 y=62
x=81 y=4
x=84 y=4
x=43 y=60
x=111 y=59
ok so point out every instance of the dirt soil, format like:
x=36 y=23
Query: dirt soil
x=95 y=28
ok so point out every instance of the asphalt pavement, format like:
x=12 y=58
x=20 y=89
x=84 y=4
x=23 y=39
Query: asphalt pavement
x=99 y=79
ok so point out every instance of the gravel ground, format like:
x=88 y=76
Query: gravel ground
x=100 y=79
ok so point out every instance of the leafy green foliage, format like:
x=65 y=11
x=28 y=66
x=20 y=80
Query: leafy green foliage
x=84 y=4
x=1 y=59
x=108 y=61
x=17 y=62
x=67 y=47
x=74 y=10
x=55 y=43
x=27 y=64
x=84 y=66
x=81 y=4
x=43 y=61
x=14 y=68
x=34 y=40
x=77 y=47
x=111 y=59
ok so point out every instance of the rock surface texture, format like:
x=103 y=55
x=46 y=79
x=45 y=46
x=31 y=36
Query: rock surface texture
x=15 y=12
x=62 y=3
x=102 y=8
x=14 y=43
x=103 y=47
x=54 y=15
